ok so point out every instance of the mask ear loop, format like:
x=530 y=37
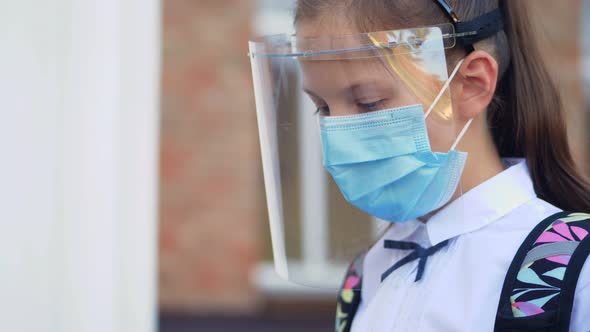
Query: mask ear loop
x=437 y=99
x=463 y=132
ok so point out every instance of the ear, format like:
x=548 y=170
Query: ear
x=475 y=88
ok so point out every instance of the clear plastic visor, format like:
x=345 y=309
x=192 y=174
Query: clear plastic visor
x=298 y=82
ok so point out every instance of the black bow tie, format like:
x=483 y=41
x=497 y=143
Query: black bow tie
x=419 y=253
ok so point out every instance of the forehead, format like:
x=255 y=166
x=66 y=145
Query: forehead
x=350 y=72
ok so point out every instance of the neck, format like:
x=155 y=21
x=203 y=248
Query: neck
x=483 y=161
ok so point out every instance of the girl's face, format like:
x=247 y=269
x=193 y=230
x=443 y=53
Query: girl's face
x=341 y=86
x=353 y=86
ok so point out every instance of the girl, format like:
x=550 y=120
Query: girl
x=470 y=164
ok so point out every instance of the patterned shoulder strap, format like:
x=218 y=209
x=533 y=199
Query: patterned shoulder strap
x=539 y=288
x=349 y=297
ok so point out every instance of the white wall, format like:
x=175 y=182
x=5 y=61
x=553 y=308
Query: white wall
x=79 y=85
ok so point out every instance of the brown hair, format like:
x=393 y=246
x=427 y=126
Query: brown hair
x=526 y=116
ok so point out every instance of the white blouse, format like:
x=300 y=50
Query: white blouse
x=461 y=285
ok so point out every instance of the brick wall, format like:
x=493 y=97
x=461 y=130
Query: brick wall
x=210 y=210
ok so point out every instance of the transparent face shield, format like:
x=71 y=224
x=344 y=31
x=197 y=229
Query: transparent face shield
x=306 y=91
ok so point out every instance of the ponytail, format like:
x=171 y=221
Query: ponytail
x=528 y=118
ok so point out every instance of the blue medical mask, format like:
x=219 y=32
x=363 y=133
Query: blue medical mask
x=384 y=165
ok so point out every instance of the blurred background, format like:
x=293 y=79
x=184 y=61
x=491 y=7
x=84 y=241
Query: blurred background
x=132 y=189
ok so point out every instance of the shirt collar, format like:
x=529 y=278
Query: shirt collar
x=483 y=204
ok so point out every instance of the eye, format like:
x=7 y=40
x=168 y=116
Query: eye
x=372 y=106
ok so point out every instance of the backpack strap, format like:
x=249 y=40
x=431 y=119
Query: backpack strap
x=349 y=297
x=539 y=288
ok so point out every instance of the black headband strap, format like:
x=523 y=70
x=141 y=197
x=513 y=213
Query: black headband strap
x=484 y=26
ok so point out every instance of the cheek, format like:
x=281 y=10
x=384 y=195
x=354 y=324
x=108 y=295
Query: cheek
x=441 y=135
x=443 y=125
x=401 y=97
x=440 y=125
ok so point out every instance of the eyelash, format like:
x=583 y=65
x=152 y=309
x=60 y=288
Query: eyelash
x=369 y=107
x=324 y=110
